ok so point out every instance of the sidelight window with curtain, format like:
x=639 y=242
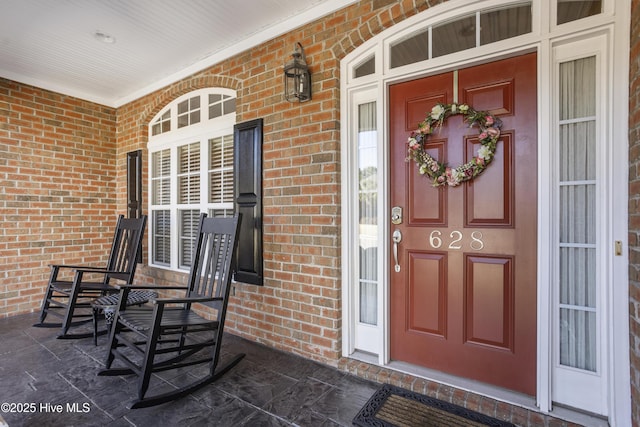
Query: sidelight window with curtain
x=577 y=276
x=368 y=213
x=191 y=164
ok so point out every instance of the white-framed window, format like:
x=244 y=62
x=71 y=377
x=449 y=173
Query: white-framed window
x=191 y=171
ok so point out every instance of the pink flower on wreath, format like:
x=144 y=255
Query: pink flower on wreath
x=483 y=135
x=492 y=132
x=488 y=120
x=480 y=161
x=424 y=129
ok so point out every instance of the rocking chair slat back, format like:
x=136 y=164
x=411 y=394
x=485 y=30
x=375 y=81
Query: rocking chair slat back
x=124 y=250
x=212 y=252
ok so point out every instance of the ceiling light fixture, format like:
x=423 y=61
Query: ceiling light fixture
x=104 y=37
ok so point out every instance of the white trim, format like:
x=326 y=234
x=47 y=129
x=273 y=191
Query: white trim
x=346 y=178
x=544 y=271
x=619 y=352
x=544 y=34
x=385 y=222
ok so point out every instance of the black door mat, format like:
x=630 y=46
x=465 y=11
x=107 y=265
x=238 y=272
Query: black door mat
x=393 y=406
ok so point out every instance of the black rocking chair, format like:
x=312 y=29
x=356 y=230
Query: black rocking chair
x=170 y=334
x=83 y=284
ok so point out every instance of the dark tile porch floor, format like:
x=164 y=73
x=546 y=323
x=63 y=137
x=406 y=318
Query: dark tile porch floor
x=267 y=388
x=39 y=373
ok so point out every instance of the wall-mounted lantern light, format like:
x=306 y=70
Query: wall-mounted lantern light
x=297 y=79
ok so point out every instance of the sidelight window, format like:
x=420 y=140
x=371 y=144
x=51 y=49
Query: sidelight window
x=368 y=212
x=578 y=275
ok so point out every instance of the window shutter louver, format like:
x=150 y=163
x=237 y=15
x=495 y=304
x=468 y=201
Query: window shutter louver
x=161 y=177
x=189 y=173
x=189 y=221
x=247 y=172
x=221 y=170
x=162 y=237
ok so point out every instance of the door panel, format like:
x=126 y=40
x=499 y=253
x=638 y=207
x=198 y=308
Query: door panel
x=489 y=201
x=489 y=288
x=464 y=300
x=427 y=302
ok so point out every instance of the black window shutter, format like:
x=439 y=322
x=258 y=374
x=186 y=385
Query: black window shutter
x=134 y=184
x=134 y=187
x=247 y=177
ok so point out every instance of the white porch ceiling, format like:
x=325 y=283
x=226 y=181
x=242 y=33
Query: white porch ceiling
x=51 y=44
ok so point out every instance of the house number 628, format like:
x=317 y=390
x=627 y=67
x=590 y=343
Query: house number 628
x=435 y=240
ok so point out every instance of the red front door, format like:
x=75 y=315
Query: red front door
x=464 y=300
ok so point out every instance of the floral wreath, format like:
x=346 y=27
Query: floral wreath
x=440 y=173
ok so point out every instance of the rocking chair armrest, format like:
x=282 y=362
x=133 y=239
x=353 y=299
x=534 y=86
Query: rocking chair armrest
x=75 y=267
x=115 y=274
x=163 y=301
x=99 y=270
x=160 y=287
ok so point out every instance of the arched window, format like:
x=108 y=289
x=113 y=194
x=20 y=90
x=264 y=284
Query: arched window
x=190 y=171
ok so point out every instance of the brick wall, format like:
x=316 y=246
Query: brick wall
x=57 y=188
x=634 y=209
x=299 y=307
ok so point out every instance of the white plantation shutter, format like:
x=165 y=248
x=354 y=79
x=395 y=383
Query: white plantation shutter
x=189 y=173
x=161 y=178
x=162 y=237
x=188 y=193
x=221 y=170
x=188 y=229
x=161 y=195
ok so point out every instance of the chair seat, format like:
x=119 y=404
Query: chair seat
x=134 y=298
x=109 y=304
x=61 y=285
x=140 y=319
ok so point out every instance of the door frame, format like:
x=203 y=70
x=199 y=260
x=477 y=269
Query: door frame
x=615 y=25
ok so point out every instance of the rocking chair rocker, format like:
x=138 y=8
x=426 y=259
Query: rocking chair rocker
x=65 y=295
x=170 y=334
